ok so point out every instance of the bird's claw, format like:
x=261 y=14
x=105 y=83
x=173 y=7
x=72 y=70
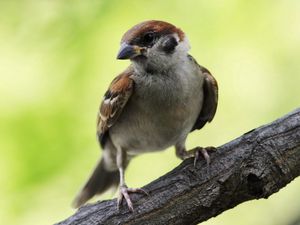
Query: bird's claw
x=124 y=194
x=204 y=152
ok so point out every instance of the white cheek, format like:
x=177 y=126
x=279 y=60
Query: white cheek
x=183 y=46
x=162 y=61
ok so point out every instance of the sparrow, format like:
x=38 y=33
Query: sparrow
x=155 y=103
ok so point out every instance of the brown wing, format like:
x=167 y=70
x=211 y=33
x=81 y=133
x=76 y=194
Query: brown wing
x=210 y=99
x=113 y=103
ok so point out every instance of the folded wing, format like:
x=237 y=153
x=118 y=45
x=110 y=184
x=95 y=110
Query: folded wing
x=210 y=99
x=113 y=103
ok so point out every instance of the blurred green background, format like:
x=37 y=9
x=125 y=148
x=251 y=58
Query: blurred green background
x=58 y=57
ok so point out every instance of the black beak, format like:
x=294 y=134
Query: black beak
x=128 y=51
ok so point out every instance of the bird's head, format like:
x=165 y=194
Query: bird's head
x=154 y=45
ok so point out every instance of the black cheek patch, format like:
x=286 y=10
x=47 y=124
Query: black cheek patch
x=169 y=45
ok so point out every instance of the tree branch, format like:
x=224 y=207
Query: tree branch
x=253 y=166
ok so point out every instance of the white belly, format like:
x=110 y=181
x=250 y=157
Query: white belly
x=154 y=119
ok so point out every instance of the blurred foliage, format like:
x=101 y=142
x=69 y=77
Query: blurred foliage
x=58 y=57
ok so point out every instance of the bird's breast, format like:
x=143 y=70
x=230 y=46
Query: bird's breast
x=159 y=113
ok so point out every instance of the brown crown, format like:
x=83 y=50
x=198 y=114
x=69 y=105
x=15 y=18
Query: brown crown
x=154 y=26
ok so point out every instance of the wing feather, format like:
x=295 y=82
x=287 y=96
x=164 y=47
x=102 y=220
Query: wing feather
x=210 y=98
x=113 y=103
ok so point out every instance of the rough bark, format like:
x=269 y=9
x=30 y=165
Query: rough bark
x=255 y=165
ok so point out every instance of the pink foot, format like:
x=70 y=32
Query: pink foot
x=204 y=152
x=124 y=193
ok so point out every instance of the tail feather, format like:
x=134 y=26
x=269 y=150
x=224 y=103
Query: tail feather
x=100 y=181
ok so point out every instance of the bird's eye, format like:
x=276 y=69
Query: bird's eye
x=148 y=37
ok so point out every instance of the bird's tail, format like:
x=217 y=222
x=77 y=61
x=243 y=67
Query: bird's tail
x=100 y=181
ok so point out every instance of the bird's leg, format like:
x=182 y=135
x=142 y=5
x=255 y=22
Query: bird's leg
x=124 y=190
x=182 y=153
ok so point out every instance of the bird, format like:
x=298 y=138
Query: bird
x=162 y=96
